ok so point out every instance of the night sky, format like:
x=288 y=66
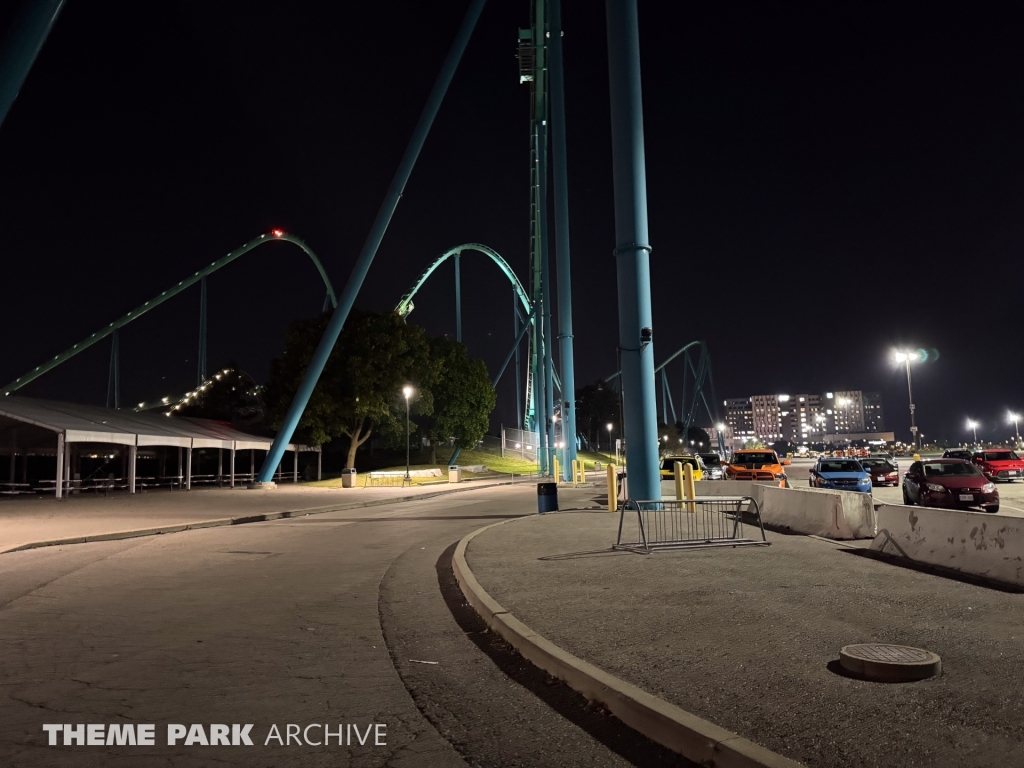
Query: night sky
x=824 y=184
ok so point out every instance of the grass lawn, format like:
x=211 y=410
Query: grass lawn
x=494 y=463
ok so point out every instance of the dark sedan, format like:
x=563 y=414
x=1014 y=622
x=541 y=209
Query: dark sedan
x=949 y=483
x=882 y=471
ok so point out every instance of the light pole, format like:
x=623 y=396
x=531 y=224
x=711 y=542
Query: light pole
x=407 y=391
x=908 y=358
x=972 y=424
x=1014 y=417
x=610 y=442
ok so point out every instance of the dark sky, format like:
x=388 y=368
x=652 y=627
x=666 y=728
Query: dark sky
x=824 y=184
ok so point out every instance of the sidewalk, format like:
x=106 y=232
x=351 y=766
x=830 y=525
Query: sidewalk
x=748 y=638
x=88 y=517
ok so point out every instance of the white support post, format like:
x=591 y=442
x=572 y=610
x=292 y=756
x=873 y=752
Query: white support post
x=220 y=466
x=133 y=454
x=295 y=467
x=188 y=469
x=319 y=464
x=180 y=467
x=60 y=465
x=232 y=465
x=252 y=465
x=67 y=468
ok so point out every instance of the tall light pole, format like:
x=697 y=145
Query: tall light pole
x=1014 y=417
x=610 y=441
x=908 y=358
x=972 y=424
x=407 y=391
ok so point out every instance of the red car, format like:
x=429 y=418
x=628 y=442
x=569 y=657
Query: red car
x=882 y=471
x=949 y=483
x=999 y=464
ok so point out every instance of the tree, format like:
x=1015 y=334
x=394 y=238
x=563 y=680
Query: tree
x=360 y=389
x=463 y=397
x=596 y=407
x=230 y=394
x=700 y=438
x=753 y=444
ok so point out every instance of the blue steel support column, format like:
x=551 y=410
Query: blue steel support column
x=458 y=300
x=114 y=379
x=560 y=176
x=664 y=398
x=201 y=370
x=632 y=248
x=380 y=225
x=515 y=332
x=545 y=286
x=19 y=49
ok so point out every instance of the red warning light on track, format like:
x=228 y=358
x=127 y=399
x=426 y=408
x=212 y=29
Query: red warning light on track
x=277 y=232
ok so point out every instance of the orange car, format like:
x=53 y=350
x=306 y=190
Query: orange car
x=761 y=465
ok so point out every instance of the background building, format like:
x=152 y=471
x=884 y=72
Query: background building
x=805 y=418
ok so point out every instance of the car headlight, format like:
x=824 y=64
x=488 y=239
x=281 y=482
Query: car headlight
x=864 y=480
x=988 y=488
x=934 y=487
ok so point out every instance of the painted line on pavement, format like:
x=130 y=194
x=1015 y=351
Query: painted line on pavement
x=691 y=736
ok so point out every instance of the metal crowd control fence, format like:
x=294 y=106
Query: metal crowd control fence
x=689 y=524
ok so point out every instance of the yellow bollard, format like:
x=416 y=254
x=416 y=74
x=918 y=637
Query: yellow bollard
x=613 y=490
x=583 y=471
x=677 y=471
x=558 y=474
x=689 y=490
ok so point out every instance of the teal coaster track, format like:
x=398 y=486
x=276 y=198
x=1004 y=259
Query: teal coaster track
x=199 y=277
x=527 y=316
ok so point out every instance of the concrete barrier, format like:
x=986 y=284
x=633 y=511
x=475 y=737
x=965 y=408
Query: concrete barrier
x=721 y=488
x=832 y=514
x=978 y=543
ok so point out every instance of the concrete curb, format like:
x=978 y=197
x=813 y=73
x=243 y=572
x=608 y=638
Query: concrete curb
x=691 y=736
x=241 y=520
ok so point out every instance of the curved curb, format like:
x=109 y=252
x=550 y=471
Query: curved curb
x=691 y=736
x=262 y=517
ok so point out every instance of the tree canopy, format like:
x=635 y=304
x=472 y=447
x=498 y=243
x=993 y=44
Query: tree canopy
x=462 y=393
x=361 y=386
x=360 y=394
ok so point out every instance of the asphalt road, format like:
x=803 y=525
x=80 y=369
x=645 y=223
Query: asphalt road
x=1011 y=494
x=334 y=618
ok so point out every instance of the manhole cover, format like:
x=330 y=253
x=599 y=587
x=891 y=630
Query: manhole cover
x=889 y=663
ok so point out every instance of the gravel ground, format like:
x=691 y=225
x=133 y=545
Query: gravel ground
x=749 y=638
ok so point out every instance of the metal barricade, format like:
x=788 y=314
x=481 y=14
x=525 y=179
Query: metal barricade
x=689 y=524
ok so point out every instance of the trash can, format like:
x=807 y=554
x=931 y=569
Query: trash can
x=454 y=474
x=547 y=497
x=348 y=478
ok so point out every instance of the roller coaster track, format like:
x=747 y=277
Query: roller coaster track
x=406 y=305
x=274 y=236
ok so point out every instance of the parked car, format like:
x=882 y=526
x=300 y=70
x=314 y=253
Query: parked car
x=951 y=484
x=958 y=453
x=887 y=456
x=759 y=464
x=840 y=475
x=882 y=471
x=668 y=466
x=714 y=469
x=999 y=464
